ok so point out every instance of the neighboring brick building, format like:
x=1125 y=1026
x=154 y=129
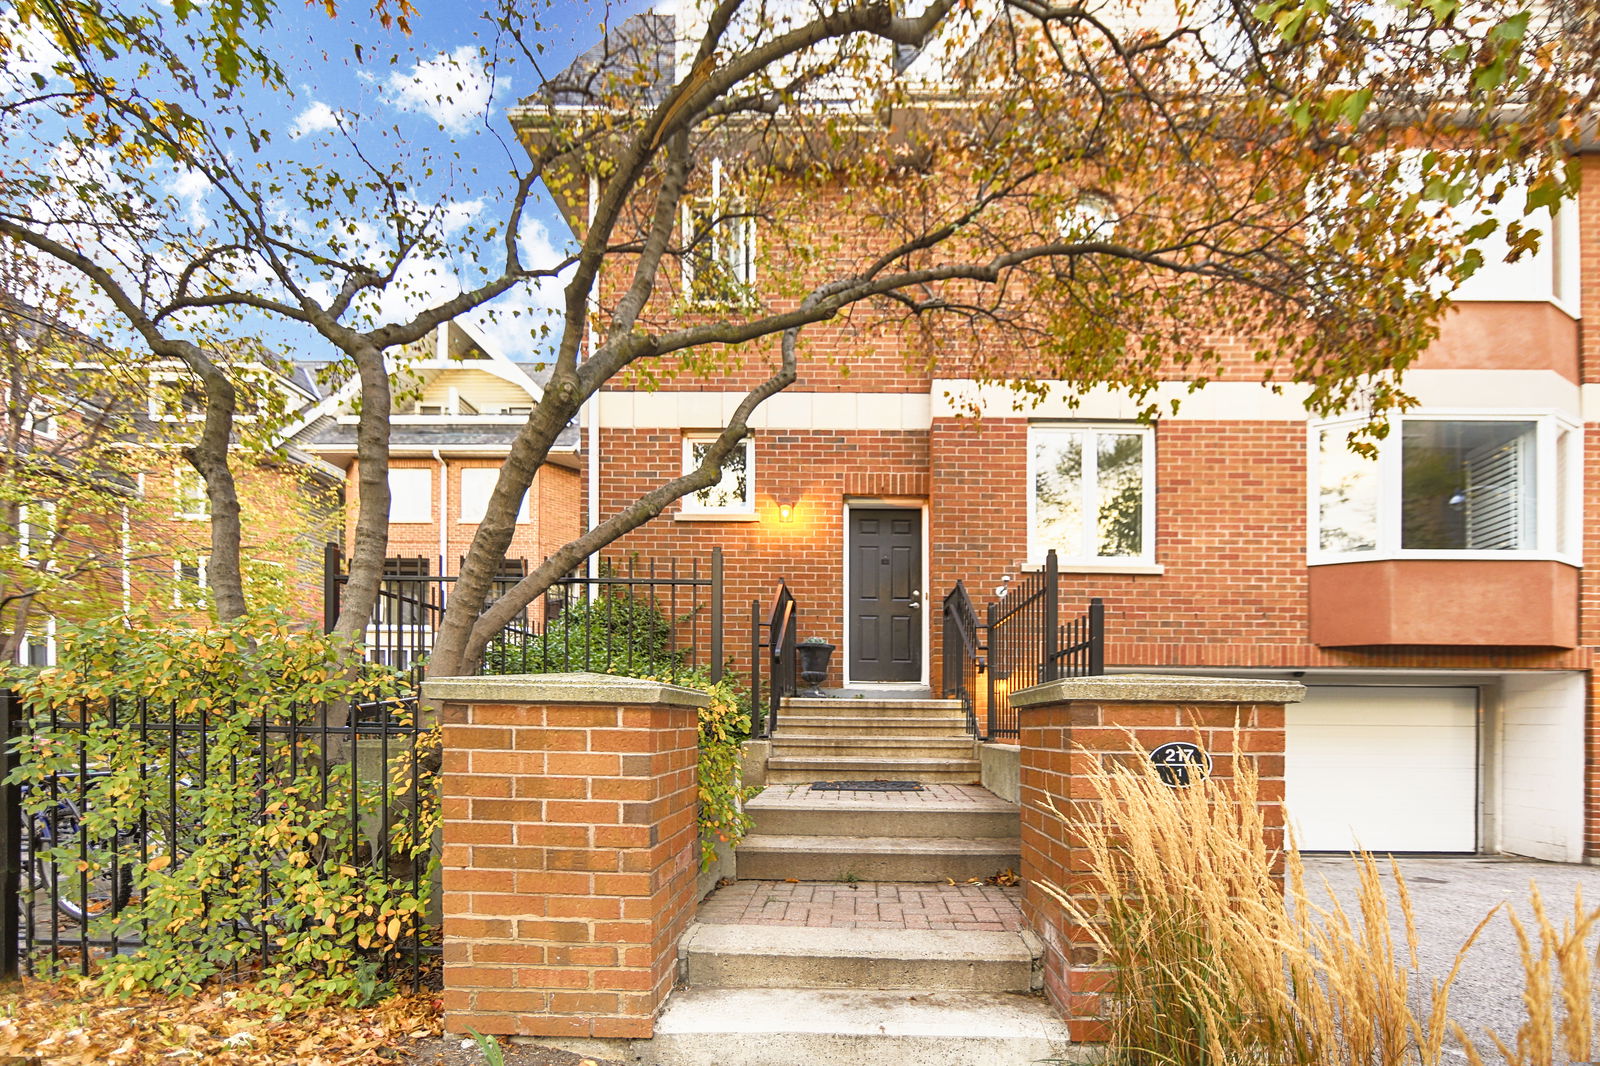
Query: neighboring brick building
x=1434 y=601
x=457 y=408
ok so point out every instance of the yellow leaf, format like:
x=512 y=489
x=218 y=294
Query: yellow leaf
x=159 y=863
x=394 y=928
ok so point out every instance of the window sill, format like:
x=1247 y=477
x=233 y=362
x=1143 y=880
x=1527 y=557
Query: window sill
x=1464 y=555
x=709 y=516
x=1098 y=568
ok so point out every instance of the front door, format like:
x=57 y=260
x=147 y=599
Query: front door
x=885 y=594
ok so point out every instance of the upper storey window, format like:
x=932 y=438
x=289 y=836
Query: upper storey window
x=735 y=493
x=1443 y=486
x=1091 y=494
x=719 y=245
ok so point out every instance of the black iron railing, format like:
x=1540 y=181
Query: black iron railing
x=74 y=846
x=633 y=616
x=962 y=652
x=1021 y=642
x=772 y=645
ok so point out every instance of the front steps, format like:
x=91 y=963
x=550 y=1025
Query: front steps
x=866 y=739
x=791 y=966
x=765 y=995
x=775 y=956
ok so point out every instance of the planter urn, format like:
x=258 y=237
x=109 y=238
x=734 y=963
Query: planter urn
x=814 y=656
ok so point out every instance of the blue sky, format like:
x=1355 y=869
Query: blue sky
x=439 y=93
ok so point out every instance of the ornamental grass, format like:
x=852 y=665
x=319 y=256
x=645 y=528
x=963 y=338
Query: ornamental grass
x=1218 y=954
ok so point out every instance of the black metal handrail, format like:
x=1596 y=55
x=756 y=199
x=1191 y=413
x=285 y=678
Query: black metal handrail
x=776 y=638
x=962 y=652
x=1026 y=644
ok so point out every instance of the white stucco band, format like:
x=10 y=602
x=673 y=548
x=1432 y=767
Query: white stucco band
x=787 y=410
x=1221 y=401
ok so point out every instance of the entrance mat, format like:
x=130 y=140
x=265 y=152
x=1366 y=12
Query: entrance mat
x=866 y=786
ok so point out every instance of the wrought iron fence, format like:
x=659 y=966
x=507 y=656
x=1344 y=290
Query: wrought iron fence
x=89 y=839
x=633 y=616
x=773 y=643
x=1021 y=642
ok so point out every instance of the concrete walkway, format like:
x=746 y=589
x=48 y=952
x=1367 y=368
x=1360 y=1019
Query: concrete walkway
x=1450 y=896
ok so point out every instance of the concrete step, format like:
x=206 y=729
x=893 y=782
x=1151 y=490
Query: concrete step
x=881 y=819
x=783 y=1027
x=777 y=857
x=886 y=726
x=933 y=960
x=798 y=707
x=809 y=744
x=791 y=769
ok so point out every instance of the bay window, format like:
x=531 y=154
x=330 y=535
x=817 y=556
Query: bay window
x=1495 y=485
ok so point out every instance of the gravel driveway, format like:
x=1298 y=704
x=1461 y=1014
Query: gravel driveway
x=1450 y=896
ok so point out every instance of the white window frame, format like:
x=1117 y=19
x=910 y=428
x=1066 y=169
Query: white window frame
x=185 y=597
x=411 y=494
x=46 y=640
x=477 y=514
x=1087 y=557
x=693 y=507
x=39 y=422
x=25 y=528
x=191 y=507
x=1549 y=491
x=159 y=379
x=732 y=240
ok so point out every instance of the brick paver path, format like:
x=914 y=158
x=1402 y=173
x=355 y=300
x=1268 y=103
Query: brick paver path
x=867 y=905
x=933 y=794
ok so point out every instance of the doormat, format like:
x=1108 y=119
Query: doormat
x=866 y=786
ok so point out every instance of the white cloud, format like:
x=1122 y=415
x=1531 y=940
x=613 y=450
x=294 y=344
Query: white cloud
x=453 y=88
x=317 y=118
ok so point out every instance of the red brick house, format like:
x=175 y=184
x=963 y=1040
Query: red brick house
x=1434 y=600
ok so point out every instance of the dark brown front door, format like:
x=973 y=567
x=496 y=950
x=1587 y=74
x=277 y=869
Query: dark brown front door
x=885 y=594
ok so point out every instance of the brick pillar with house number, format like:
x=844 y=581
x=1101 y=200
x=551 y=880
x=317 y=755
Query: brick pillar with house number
x=1070 y=727
x=570 y=850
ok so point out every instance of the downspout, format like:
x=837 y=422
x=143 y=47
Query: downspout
x=591 y=407
x=127 y=560
x=444 y=513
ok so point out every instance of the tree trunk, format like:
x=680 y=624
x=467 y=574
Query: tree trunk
x=360 y=594
x=452 y=655
x=209 y=457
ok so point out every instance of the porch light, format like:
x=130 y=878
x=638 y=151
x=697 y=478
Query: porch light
x=786 y=508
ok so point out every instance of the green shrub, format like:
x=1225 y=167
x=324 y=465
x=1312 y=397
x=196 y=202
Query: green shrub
x=615 y=633
x=273 y=844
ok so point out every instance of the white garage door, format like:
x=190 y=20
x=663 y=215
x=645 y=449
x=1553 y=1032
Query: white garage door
x=1388 y=769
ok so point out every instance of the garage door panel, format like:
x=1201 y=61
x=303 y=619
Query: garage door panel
x=1385 y=768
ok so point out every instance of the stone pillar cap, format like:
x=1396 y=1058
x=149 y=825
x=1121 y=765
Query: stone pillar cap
x=561 y=688
x=1160 y=688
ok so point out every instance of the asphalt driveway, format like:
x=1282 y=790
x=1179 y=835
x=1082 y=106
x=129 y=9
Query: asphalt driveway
x=1450 y=896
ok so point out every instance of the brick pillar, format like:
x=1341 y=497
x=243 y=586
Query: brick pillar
x=1069 y=727
x=570 y=850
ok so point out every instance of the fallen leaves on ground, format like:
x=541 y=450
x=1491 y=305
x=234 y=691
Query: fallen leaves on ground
x=68 y=1024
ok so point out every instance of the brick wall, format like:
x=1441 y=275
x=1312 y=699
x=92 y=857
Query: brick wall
x=553 y=514
x=570 y=851
x=1111 y=720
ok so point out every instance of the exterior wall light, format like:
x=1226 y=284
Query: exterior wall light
x=786 y=506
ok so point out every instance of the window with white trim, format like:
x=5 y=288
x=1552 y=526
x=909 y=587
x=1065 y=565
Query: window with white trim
x=410 y=494
x=1446 y=486
x=39 y=421
x=176 y=397
x=189 y=499
x=1091 y=493
x=36 y=530
x=477 y=485
x=190 y=580
x=719 y=242
x=736 y=492
x=38 y=643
